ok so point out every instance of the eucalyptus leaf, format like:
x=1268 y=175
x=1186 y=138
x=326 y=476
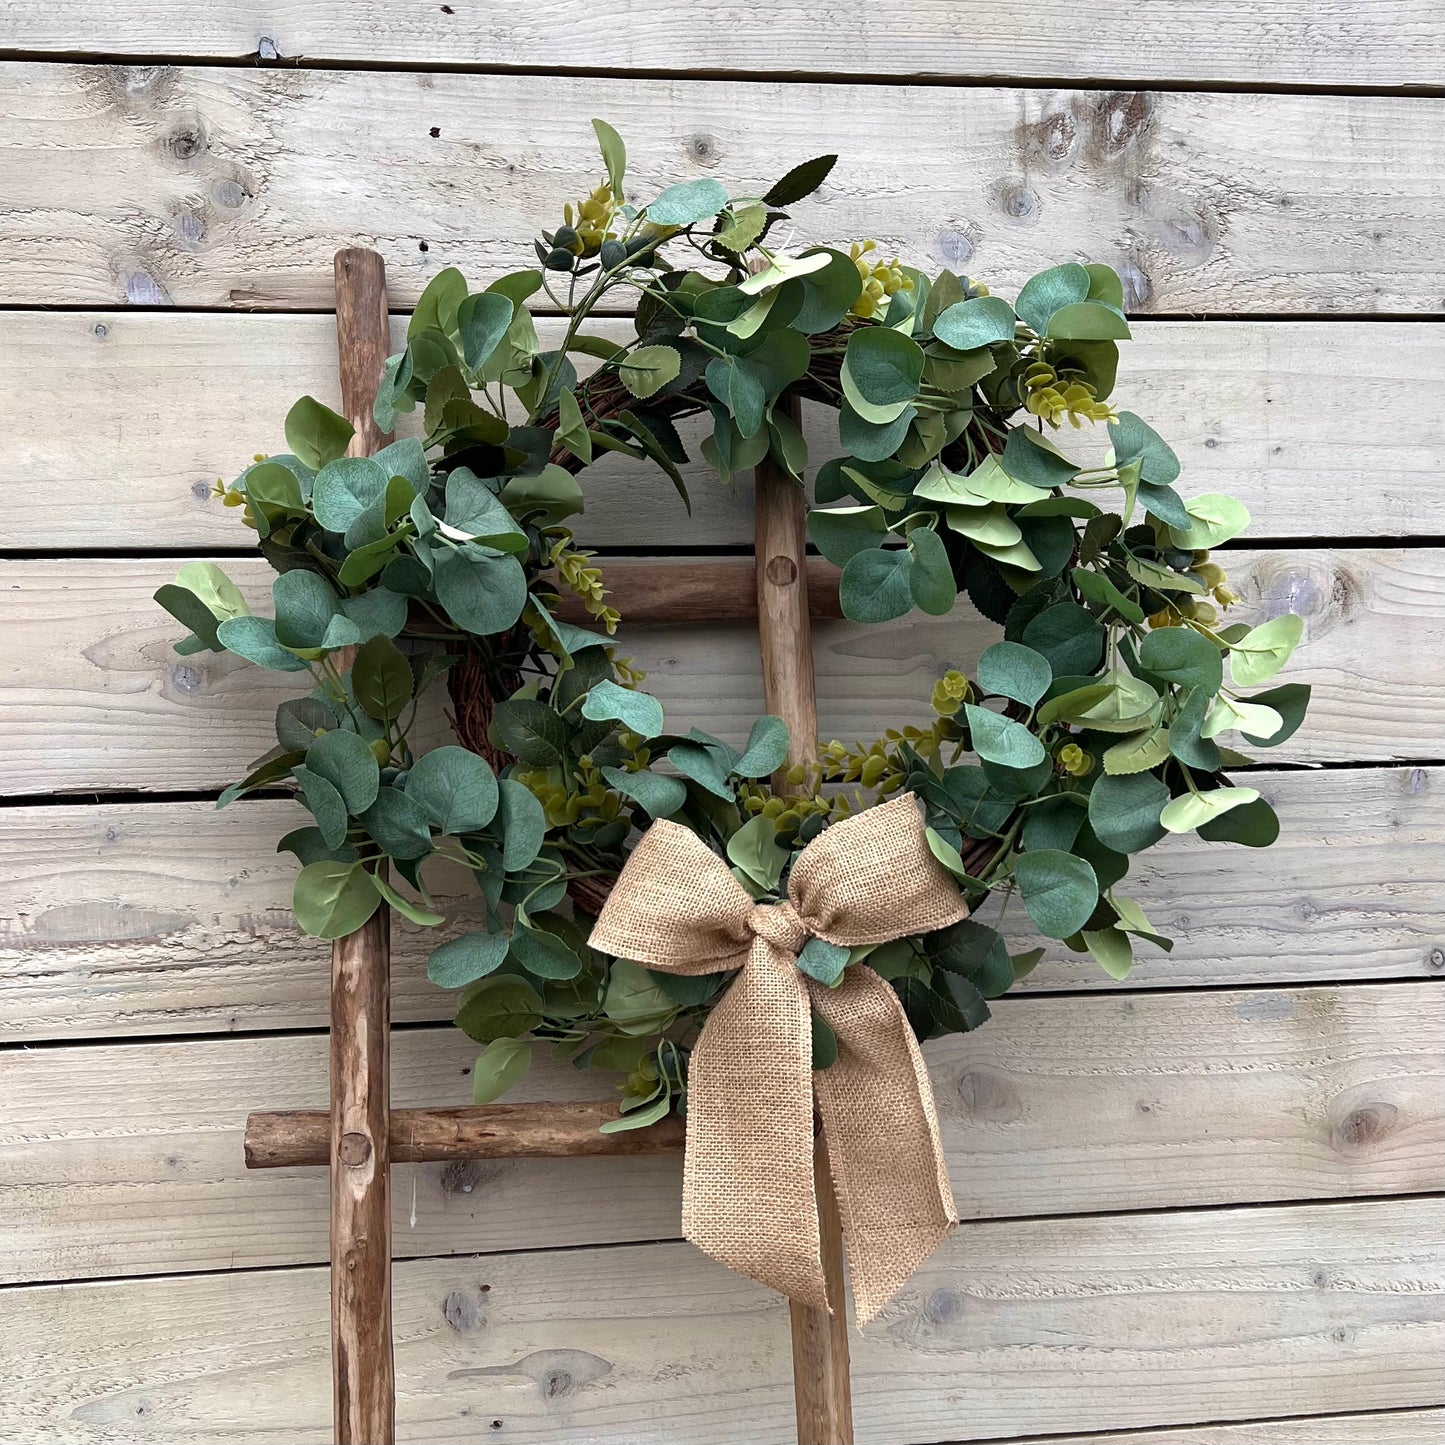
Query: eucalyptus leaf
x=635 y=710
x=466 y=959
x=1059 y=890
x=333 y=899
x=455 y=788
x=501 y=1064
x=1010 y=669
x=1190 y=810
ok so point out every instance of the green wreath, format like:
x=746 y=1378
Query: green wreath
x=1093 y=725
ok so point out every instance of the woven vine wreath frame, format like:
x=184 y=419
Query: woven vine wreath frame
x=973 y=447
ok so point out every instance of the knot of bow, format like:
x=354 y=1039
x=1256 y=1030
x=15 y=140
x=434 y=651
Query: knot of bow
x=749 y=1190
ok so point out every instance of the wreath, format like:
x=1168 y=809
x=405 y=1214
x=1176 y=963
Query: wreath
x=1088 y=733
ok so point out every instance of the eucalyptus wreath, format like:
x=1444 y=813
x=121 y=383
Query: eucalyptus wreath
x=1087 y=733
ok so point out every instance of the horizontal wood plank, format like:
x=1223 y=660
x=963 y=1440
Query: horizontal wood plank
x=93 y=697
x=1012 y=1328
x=1320 y=428
x=1305 y=42
x=232 y=187
x=1118 y=1102
x=155 y=918
x=1394 y=1427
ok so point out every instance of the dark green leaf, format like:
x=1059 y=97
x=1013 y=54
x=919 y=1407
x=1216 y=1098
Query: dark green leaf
x=544 y=955
x=800 y=182
x=483 y=595
x=523 y=825
x=398 y=824
x=930 y=579
x=766 y=750
x=660 y=795
x=325 y=804
x=1290 y=701
x=1068 y=637
x=825 y=1043
x=885 y=367
x=1182 y=655
x=254 y=638
x=466 y=959
x=1028 y=458
x=381 y=679
x=1135 y=440
x=531 y=731
x=1255 y=825
x=876 y=585
x=346 y=761
x=1124 y=811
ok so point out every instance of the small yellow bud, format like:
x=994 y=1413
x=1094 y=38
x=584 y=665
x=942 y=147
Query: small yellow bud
x=1075 y=761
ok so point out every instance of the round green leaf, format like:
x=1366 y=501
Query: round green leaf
x=316 y=434
x=980 y=322
x=875 y=586
x=1012 y=670
x=1188 y=812
x=344 y=489
x=649 y=368
x=333 y=899
x=254 y=638
x=767 y=749
x=1001 y=740
x=455 y=787
x=499 y=1007
x=1068 y=636
x=523 y=824
x=661 y=796
x=884 y=365
x=543 y=954
x=1113 y=951
x=688 y=202
x=1134 y=440
x=325 y=804
x=930 y=579
x=1051 y=291
x=1088 y=321
x=483 y=595
x=1029 y=457
x=464 y=960
x=1059 y=891
x=398 y=824
x=840 y=533
x=1184 y=656
x=1254 y=825
x=498 y=1067
x=346 y=761
x=1124 y=811
x=638 y=711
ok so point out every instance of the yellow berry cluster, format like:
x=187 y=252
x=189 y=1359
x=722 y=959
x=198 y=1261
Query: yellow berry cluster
x=1074 y=760
x=578 y=799
x=1195 y=609
x=950 y=693
x=881 y=279
x=576 y=573
x=1056 y=398
x=591 y=220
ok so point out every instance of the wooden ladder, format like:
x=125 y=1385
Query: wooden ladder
x=360 y=1137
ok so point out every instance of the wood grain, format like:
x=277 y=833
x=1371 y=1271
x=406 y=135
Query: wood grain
x=1012 y=1328
x=154 y=918
x=92 y=696
x=1058 y=1106
x=1297 y=42
x=1321 y=428
x=232 y=187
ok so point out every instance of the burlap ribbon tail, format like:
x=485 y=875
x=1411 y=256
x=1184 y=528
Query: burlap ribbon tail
x=749 y=1195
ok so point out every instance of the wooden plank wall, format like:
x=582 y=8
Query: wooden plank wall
x=1203 y=1208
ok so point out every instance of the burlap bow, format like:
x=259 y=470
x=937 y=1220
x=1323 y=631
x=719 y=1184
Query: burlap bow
x=749 y=1198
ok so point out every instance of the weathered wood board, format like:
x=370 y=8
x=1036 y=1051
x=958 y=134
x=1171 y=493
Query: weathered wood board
x=126 y=919
x=143 y=412
x=1012 y=1328
x=89 y=661
x=232 y=187
x=1307 y=42
x=1120 y=1103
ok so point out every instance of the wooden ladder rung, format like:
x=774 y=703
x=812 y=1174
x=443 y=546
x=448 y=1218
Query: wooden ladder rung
x=280 y=1139
x=722 y=589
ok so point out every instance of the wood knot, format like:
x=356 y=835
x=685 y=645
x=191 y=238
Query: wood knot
x=353 y=1149
x=782 y=572
x=1363 y=1126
